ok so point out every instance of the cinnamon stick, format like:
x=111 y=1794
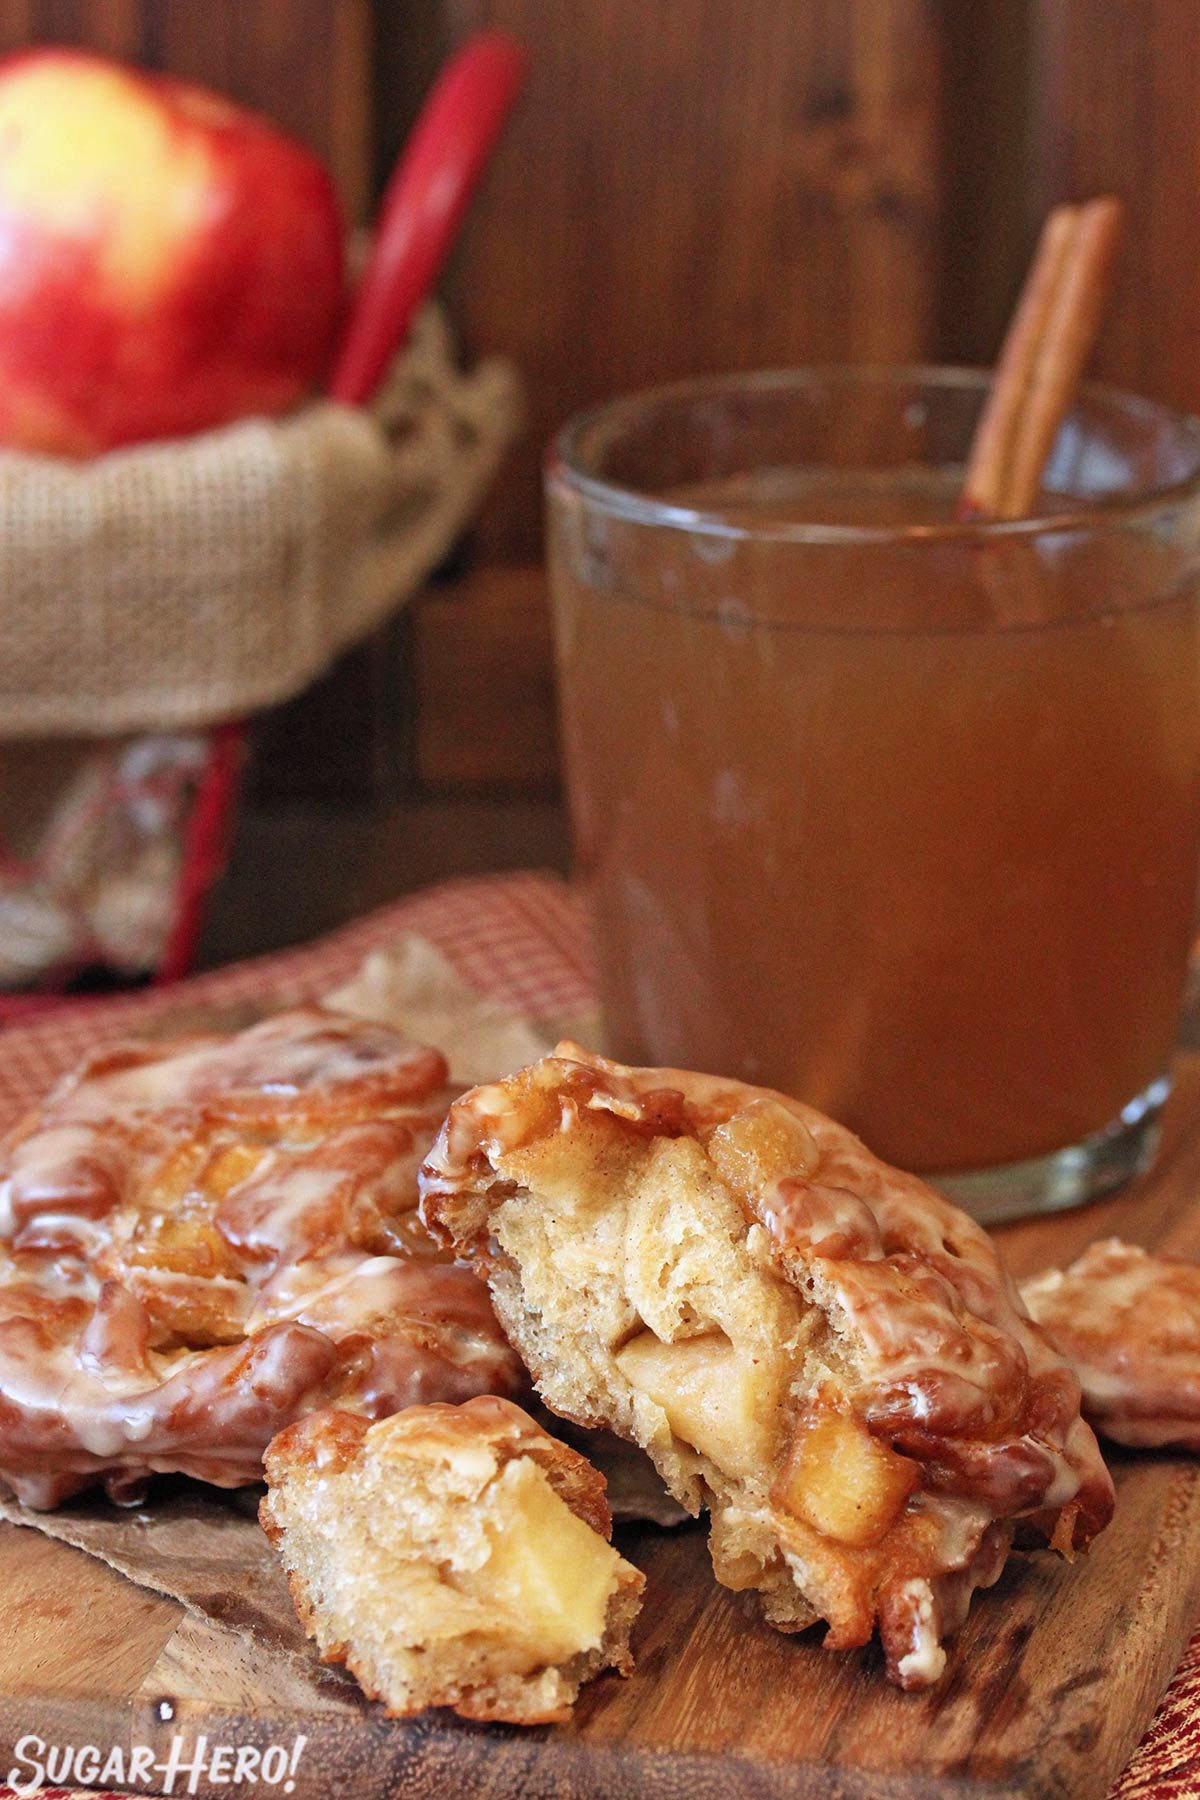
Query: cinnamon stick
x=1047 y=345
x=991 y=447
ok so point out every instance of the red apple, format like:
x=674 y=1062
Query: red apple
x=168 y=261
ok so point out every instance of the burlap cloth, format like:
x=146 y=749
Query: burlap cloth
x=178 y=584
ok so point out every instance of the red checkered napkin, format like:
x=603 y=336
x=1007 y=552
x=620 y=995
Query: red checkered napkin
x=520 y=938
x=523 y=940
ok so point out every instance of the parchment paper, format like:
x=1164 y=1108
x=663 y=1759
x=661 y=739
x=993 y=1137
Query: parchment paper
x=201 y=1547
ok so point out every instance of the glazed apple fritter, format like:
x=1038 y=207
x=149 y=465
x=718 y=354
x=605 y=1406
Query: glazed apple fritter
x=819 y=1349
x=201 y=1240
x=451 y=1556
x=1129 y=1325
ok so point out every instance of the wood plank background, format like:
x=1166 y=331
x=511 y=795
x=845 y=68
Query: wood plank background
x=689 y=187
x=699 y=187
x=1116 y=98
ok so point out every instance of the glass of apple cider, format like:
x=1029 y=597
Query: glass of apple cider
x=894 y=812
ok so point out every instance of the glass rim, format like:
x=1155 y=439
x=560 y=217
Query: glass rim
x=562 y=462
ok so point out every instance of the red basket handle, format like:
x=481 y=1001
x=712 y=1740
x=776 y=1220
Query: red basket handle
x=206 y=842
x=437 y=172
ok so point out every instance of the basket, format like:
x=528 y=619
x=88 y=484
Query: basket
x=154 y=600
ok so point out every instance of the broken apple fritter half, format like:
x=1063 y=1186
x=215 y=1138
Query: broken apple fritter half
x=819 y=1349
x=451 y=1556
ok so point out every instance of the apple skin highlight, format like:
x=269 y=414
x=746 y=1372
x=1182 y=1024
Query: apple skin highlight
x=168 y=261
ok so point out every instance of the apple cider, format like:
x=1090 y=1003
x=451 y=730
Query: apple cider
x=898 y=815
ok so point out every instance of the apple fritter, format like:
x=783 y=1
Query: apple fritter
x=821 y=1350
x=1129 y=1325
x=451 y=1556
x=203 y=1239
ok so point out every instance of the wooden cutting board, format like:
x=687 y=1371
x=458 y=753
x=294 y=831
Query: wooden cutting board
x=1052 y=1684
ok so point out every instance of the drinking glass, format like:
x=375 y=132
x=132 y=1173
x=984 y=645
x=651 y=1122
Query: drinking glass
x=893 y=811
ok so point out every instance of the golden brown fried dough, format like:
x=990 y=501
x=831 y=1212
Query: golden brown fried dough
x=202 y=1240
x=819 y=1349
x=451 y=1556
x=1129 y=1325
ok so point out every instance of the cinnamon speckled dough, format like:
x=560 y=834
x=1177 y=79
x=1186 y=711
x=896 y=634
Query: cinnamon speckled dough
x=202 y=1240
x=1129 y=1324
x=451 y=1556
x=819 y=1349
